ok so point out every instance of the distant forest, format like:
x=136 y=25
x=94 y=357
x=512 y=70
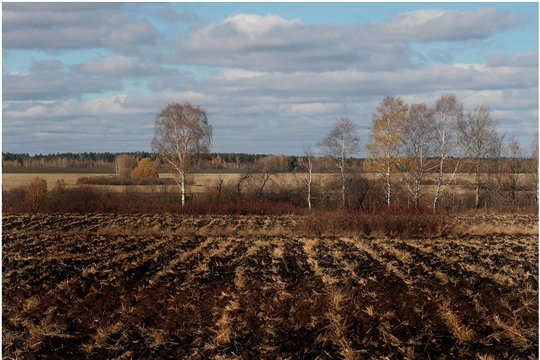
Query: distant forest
x=227 y=161
x=107 y=159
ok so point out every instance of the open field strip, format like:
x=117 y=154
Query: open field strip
x=11 y=181
x=202 y=181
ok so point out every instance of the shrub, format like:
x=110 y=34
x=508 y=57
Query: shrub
x=239 y=208
x=393 y=221
x=104 y=180
x=117 y=180
x=145 y=169
x=37 y=194
x=13 y=199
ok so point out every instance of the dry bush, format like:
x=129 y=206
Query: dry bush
x=13 y=199
x=37 y=194
x=110 y=180
x=119 y=180
x=393 y=221
x=240 y=208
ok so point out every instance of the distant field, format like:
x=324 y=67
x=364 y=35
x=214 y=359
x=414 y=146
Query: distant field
x=56 y=170
x=10 y=181
x=201 y=180
x=103 y=170
x=206 y=179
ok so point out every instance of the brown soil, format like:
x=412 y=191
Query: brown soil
x=164 y=286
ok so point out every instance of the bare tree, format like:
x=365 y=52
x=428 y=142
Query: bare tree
x=309 y=154
x=479 y=132
x=514 y=167
x=386 y=142
x=448 y=114
x=341 y=144
x=418 y=135
x=243 y=180
x=492 y=184
x=182 y=135
x=267 y=169
x=219 y=188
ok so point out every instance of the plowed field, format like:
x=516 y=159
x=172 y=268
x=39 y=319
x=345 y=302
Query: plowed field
x=180 y=287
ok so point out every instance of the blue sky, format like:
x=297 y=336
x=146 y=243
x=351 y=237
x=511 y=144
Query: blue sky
x=273 y=77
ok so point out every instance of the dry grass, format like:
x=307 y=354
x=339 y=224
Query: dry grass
x=201 y=181
x=485 y=228
x=12 y=181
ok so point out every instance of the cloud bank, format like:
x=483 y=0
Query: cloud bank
x=270 y=84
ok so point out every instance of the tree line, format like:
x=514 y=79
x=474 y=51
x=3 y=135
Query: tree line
x=417 y=151
x=409 y=143
x=230 y=161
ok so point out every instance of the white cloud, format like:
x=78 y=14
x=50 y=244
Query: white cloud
x=524 y=59
x=416 y=18
x=121 y=66
x=233 y=74
x=53 y=85
x=354 y=85
x=473 y=67
x=499 y=100
x=253 y=26
x=272 y=43
x=316 y=108
x=72 y=26
x=447 y=25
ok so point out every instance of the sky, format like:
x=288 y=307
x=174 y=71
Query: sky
x=273 y=77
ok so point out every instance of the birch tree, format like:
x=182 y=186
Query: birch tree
x=309 y=154
x=418 y=135
x=480 y=135
x=386 y=141
x=448 y=114
x=124 y=164
x=182 y=135
x=341 y=144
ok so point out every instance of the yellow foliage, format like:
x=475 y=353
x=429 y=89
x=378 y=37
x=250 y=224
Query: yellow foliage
x=145 y=168
x=37 y=192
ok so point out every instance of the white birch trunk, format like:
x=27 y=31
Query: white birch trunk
x=310 y=178
x=183 y=181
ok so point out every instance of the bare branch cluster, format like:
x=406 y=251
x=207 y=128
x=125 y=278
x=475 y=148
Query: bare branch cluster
x=341 y=144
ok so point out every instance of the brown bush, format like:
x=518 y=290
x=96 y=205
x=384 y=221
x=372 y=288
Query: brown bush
x=117 y=180
x=104 y=180
x=13 y=199
x=37 y=194
x=392 y=221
